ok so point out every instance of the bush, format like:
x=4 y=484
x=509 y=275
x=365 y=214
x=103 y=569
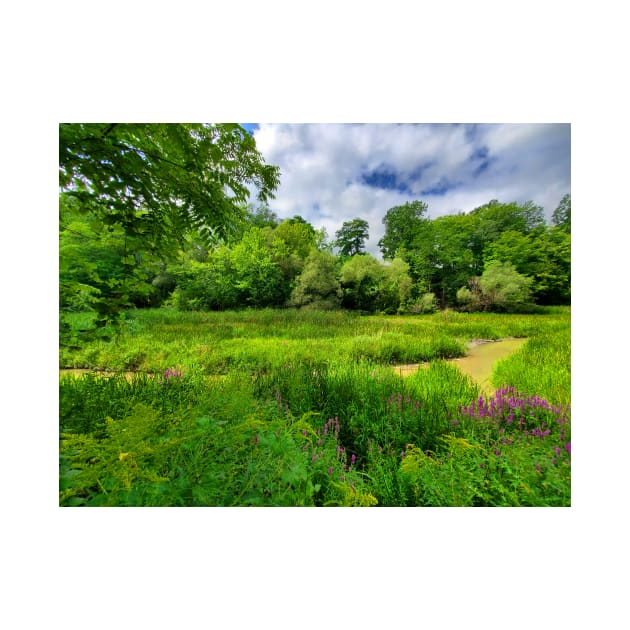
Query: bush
x=426 y=304
x=500 y=288
x=317 y=286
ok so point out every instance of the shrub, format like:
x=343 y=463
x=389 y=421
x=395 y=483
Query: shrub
x=317 y=286
x=500 y=288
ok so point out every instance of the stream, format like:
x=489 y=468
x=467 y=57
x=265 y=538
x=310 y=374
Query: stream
x=479 y=362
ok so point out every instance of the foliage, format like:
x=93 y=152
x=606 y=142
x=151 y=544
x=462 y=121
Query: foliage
x=395 y=287
x=544 y=256
x=351 y=237
x=561 y=216
x=402 y=227
x=159 y=180
x=426 y=304
x=320 y=424
x=317 y=286
x=499 y=288
x=149 y=185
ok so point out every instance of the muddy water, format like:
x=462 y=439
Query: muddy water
x=479 y=362
x=79 y=371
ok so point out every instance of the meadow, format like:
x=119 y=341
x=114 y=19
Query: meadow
x=302 y=408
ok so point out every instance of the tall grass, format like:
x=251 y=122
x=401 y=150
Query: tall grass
x=289 y=408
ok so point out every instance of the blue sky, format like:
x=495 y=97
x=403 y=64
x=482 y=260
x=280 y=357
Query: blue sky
x=331 y=173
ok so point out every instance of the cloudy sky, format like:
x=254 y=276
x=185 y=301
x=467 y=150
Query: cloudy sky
x=331 y=173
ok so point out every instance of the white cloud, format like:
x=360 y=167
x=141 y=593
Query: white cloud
x=323 y=168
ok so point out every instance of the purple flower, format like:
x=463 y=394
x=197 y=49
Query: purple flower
x=330 y=470
x=341 y=478
x=402 y=454
x=497 y=453
x=567 y=446
x=353 y=459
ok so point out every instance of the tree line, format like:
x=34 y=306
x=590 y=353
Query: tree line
x=160 y=214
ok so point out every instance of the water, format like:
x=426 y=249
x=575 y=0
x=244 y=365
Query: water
x=479 y=362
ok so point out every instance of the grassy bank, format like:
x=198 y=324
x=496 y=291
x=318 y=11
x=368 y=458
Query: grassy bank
x=300 y=408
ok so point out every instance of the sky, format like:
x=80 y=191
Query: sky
x=331 y=173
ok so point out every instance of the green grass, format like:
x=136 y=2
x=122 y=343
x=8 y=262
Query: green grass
x=300 y=408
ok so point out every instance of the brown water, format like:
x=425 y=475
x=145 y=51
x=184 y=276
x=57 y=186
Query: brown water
x=104 y=373
x=479 y=362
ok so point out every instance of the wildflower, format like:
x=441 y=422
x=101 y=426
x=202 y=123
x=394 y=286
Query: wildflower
x=319 y=442
x=497 y=453
x=567 y=446
x=330 y=470
x=402 y=454
x=341 y=478
x=353 y=459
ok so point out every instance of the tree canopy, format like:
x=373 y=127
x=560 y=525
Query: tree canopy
x=159 y=180
x=402 y=227
x=351 y=237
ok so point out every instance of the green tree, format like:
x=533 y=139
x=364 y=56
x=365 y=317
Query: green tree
x=98 y=265
x=500 y=288
x=544 y=256
x=561 y=216
x=317 y=286
x=395 y=287
x=157 y=182
x=351 y=237
x=453 y=260
x=403 y=226
x=360 y=278
x=258 y=277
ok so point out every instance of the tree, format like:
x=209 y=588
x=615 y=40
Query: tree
x=394 y=287
x=159 y=181
x=500 y=288
x=543 y=256
x=561 y=216
x=360 y=277
x=351 y=237
x=94 y=265
x=403 y=224
x=317 y=286
x=453 y=261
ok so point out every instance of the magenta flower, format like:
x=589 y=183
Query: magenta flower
x=330 y=470
x=567 y=446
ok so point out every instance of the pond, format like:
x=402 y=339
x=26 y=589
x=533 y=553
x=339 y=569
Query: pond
x=479 y=362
